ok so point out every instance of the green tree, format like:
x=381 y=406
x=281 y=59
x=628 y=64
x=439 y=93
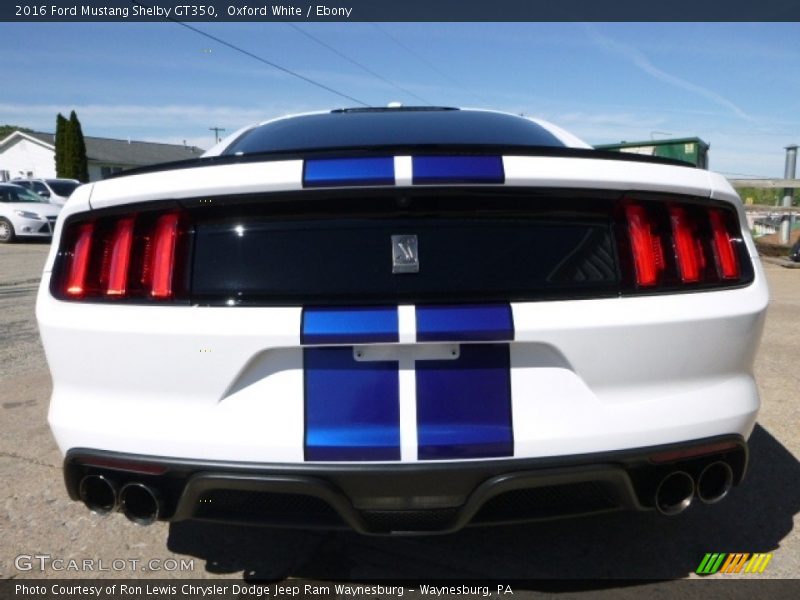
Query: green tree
x=76 y=163
x=7 y=130
x=762 y=196
x=68 y=150
x=62 y=126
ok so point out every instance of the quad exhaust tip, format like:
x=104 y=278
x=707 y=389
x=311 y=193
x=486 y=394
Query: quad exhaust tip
x=98 y=493
x=674 y=494
x=714 y=482
x=140 y=503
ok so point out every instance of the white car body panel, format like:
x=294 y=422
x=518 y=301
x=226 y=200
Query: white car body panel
x=604 y=174
x=215 y=180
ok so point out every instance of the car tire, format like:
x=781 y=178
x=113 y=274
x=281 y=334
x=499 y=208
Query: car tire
x=7 y=234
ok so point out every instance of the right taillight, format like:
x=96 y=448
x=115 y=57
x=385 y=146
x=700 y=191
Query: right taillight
x=724 y=250
x=137 y=256
x=703 y=244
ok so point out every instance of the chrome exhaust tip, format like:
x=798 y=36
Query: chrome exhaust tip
x=98 y=494
x=714 y=482
x=140 y=503
x=674 y=493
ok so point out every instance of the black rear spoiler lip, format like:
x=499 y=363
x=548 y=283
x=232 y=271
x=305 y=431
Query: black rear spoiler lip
x=399 y=150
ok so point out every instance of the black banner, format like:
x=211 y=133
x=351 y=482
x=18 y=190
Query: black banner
x=398 y=10
x=294 y=589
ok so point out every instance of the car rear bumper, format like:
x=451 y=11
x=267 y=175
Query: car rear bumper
x=406 y=499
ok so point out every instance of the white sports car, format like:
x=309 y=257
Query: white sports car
x=402 y=320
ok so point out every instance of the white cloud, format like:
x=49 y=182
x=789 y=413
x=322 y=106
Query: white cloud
x=639 y=60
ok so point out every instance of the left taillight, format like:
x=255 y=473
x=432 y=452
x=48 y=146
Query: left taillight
x=78 y=268
x=142 y=256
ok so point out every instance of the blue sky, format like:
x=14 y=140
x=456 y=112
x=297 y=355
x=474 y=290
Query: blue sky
x=736 y=86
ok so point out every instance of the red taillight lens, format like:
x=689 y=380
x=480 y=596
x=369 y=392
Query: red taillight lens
x=124 y=258
x=695 y=232
x=688 y=249
x=163 y=258
x=79 y=264
x=648 y=256
x=121 y=243
x=724 y=251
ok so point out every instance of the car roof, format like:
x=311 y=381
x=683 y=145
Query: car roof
x=399 y=131
x=414 y=126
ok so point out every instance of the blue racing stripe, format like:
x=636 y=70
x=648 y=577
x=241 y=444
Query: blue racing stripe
x=458 y=169
x=323 y=172
x=349 y=325
x=352 y=409
x=464 y=405
x=467 y=323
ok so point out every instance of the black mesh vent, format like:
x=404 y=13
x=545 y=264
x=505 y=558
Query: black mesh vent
x=547 y=502
x=266 y=507
x=386 y=521
x=593 y=261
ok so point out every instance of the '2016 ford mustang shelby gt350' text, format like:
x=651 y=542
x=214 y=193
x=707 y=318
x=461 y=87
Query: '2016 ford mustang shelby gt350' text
x=402 y=320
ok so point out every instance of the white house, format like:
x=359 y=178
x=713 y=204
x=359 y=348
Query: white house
x=32 y=155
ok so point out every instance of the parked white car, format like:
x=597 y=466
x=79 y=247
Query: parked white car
x=25 y=214
x=402 y=320
x=56 y=191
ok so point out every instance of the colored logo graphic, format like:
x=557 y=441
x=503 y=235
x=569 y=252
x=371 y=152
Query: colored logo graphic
x=736 y=562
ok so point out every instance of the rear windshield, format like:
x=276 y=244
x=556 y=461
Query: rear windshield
x=62 y=188
x=369 y=128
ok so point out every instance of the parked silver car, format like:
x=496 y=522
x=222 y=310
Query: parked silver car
x=25 y=214
x=53 y=190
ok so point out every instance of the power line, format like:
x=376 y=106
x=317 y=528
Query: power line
x=272 y=64
x=262 y=60
x=424 y=60
x=356 y=63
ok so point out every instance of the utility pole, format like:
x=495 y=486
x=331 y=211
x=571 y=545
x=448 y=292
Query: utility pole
x=788 y=193
x=216 y=131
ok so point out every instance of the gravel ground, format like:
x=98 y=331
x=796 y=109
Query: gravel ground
x=36 y=516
